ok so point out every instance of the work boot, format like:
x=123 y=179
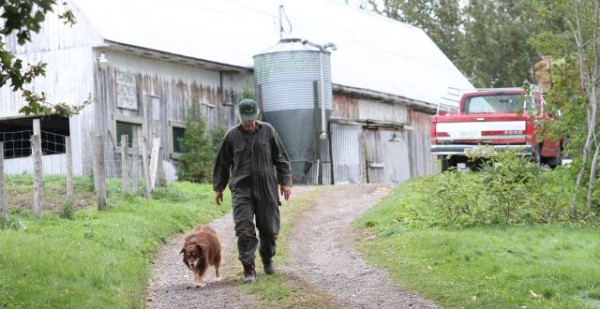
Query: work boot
x=249 y=273
x=269 y=267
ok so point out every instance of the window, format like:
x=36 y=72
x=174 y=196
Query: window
x=176 y=132
x=130 y=126
x=498 y=103
x=130 y=129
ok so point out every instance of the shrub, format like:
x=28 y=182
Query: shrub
x=508 y=189
x=196 y=162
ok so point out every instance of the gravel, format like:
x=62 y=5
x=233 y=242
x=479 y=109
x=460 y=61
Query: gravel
x=321 y=253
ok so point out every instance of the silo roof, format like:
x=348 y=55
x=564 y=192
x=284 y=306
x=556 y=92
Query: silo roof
x=373 y=52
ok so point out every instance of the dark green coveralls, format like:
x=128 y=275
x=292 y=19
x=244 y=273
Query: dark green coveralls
x=258 y=162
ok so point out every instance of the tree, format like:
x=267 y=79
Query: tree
x=578 y=84
x=24 y=17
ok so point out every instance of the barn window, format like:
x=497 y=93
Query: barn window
x=132 y=127
x=176 y=132
x=129 y=129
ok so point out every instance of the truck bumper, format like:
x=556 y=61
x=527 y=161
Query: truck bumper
x=464 y=150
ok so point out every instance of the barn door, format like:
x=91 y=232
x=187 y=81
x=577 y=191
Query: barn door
x=385 y=153
x=374 y=163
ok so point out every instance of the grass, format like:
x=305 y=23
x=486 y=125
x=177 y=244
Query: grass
x=91 y=258
x=78 y=257
x=493 y=266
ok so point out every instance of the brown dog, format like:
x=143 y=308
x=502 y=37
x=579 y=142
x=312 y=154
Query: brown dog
x=201 y=249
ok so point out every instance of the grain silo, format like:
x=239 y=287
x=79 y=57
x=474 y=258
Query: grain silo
x=288 y=79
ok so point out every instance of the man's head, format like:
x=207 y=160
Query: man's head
x=248 y=110
x=248 y=113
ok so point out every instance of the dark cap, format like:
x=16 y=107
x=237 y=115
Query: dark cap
x=248 y=109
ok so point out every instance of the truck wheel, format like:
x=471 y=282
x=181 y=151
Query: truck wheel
x=444 y=161
x=537 y=157
x=556 y=161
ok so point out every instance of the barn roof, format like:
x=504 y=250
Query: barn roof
x=373 y=52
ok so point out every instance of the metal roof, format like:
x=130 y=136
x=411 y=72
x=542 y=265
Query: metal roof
x=373 y=52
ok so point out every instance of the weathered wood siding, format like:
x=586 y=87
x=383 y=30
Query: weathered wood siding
x=69 y=57
x=420 y=144
x=160 y=93
x=382 y=111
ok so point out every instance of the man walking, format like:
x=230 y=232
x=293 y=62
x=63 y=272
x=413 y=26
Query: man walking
x=253 y=161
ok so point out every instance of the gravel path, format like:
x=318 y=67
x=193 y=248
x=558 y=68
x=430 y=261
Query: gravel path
x=321 y=253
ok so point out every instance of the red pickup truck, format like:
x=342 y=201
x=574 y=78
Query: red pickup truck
x=493 y=119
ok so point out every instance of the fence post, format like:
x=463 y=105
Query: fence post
x=154 y=159
x=135 y=169
x=125 y=164
x=99 y=173
x=38 y=174
x=3 y=202
x=68 y=151
x=145 y=167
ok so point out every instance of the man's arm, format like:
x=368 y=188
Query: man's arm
x=221 y=170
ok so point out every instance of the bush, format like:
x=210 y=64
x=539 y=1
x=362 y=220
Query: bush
x=199 y=150
x=508 y=189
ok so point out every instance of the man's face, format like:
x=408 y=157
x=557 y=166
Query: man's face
x=249 y=125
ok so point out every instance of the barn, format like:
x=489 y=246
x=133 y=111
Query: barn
x=144 y=64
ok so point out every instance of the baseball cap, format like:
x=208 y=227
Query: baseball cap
x=248 y=109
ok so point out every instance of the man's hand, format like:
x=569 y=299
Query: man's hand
x=218 y=197
x=286 y=191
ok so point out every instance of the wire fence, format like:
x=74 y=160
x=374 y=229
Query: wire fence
x=17 y=144
x=18 y=156
x=48 y=153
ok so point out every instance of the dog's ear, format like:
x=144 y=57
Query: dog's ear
x=200 y=249
x=182 y=251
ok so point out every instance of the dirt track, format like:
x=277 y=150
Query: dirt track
x=321 y=254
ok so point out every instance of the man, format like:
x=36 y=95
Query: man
x=258 y=162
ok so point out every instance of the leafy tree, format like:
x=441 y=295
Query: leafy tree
x=24 y=17
x=579 y=46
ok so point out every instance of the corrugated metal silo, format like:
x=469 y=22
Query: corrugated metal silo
x=288 y=80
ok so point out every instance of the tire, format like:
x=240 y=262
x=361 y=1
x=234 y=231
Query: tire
x=556 y=161
x=444 y=161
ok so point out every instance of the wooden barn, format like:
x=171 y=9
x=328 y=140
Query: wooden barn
x=144 y=64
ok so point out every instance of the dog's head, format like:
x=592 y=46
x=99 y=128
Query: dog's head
x=193 y=255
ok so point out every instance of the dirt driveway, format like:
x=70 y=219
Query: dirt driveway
x=321 y=254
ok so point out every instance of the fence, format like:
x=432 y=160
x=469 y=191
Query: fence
x=50 y=153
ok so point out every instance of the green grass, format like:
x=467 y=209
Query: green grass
x=97 y=259
x=493 y=266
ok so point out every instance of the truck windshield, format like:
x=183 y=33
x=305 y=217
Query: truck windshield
x=498 y=103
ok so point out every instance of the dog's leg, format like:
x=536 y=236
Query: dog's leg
x=195 y=277
x=200 y=283
x=217 y=265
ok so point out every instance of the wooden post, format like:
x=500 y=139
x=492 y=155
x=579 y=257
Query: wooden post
x=145 y=167
x=36 y=152
x=134 y=168
x=3 y=201
x=69 y=154
x=99 y=173
x=154 y=159
x=125 y=164
x=36 y=127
